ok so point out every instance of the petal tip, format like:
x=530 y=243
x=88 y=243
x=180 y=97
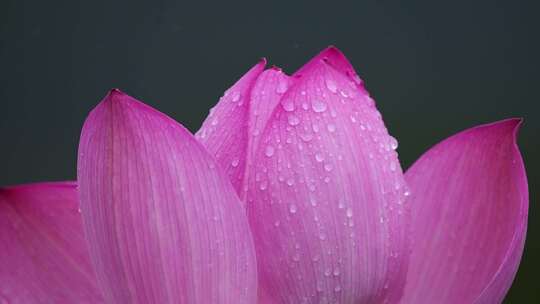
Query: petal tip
x=505 y=127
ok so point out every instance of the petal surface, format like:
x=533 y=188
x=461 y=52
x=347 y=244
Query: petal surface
x=325 y=197
x=469 y=212
x=163 y=220
x=224 y=132
x=43 y=252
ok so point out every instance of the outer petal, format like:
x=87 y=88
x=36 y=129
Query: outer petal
x=43 y=253
x=164 y=224
x=325 y=197
x=224 y=132
x=469 y=206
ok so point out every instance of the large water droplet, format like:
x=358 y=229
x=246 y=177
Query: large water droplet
x=318 y=105
x=331 y=85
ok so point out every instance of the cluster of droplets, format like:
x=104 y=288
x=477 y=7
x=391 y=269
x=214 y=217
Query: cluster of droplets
x=303 y=131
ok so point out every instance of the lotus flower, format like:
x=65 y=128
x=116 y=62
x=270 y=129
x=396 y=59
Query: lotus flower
x=291 y=192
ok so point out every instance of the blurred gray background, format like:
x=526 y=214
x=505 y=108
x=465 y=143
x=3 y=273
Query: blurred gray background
x=434 y=68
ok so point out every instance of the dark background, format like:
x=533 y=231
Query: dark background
x=434 y=67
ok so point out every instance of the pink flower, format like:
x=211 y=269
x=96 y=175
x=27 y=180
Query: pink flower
x=291 y=192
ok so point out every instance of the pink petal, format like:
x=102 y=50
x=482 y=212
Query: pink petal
x=325 y=196
x=224 y=132
x=469 y=207
x=163 y=222
x=43 y=253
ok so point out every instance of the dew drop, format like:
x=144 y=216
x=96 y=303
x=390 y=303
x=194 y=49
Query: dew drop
x=357 y=80
x=349 y=212
x=331 y=128
x=331 y=85
x=235 y=97
x=328 y=167
x=393 y=143
x=293 y=208
x=293 y=120
x=269 y=151
x=306 y=137
x=319 y=157
x=290 y=182
x=318 y=105
x=235 y=162
x=288 y=105
x=214 y=122
x=263 y=185
x=281 y=87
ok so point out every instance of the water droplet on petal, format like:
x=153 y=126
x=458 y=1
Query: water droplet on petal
x=288 y=105
x=293 y=120
x=290 y=182
x=318 y=105
x=331 y=85
x=319 y=157
x=331 y=128
x=349 y=212
x=293 y=208
x=281 y=87
x=393 y=143
x=269 y=151
x=235 y=97
x=235 y=162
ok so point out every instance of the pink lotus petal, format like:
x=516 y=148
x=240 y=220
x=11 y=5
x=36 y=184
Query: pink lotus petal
x=164 y=223
x=224 y=132
x=43 y=253
x=469 y=207
x=325 y=196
